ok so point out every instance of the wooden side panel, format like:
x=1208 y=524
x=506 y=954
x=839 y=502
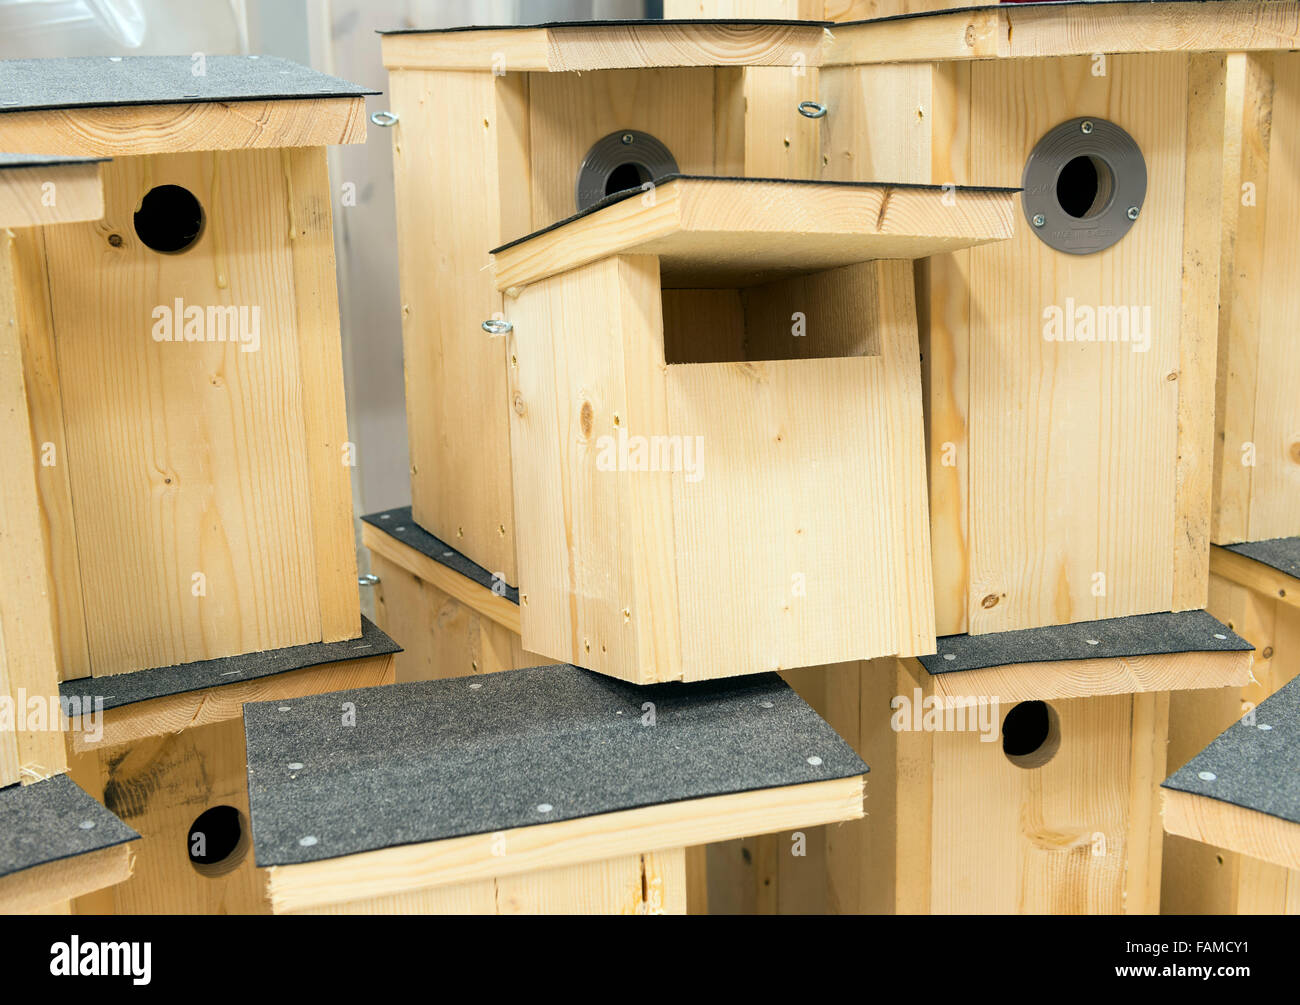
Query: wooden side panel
x=654 y=883
x=160 y=786
x=440 y=636
x=597 y=568
x=329 y=457
x=781 y=142
x=49 y=444
x=782 y=10
x=186 y=458
x=1073 y=444
x=456 y=399
x=1275 y=482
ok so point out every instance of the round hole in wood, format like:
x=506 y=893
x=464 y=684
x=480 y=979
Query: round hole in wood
x=169 y=220
x=1031 y=734
x=1084 y=186
x=217 y=841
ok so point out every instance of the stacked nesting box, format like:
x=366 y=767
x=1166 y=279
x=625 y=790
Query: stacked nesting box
x=1048 y=509
x=56 y=842
x=1255 y=563
x=181 y=364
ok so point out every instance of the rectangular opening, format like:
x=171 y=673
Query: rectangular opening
x=824 y=315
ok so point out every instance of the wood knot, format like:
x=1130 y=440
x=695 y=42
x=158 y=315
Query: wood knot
x=990 y=601
x=519 y=404
x=586 y=417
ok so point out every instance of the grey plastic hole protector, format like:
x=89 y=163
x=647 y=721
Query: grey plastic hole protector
x=652 y=159
x=1125 y=173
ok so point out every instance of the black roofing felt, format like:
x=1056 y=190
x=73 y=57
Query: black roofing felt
x=51 y=820
x=628 y=23
x=98 y=81
x=1280 y=553
x=1254 y=763
x=398 y=523
x=44 y=160
x=1012 y=7
x=610 y=200
x=474 y=755
x=144 y=685
x=1109 y=638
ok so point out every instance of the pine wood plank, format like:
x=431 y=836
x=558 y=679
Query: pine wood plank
x=565 y=843
x=47 y=888
x=55 y=193
x=1013 y=32
x=133 y=130
x=1247 y=832
x=714 y=232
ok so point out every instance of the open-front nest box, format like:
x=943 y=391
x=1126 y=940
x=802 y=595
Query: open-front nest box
x=716 y=424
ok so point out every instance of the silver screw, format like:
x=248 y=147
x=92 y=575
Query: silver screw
x=627 y=139
x=1085 y=126
x=1207 y=776
x=369 y=579
x=1039 y=220
x=87 y=825
x=544 y=807
x=308 y=841
x=814 y=760
x=295 y=765
x=1132 y=212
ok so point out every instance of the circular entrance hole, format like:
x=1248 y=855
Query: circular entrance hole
x=625 y=176
x=169 y=219
x=1031 y=734
x=1084 y=186
x=217 y=841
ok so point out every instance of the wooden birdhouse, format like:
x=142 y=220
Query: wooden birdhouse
x=1238 y=796
x=501 y=132
x=472 y=803
x=189 y=529
x=182 y=358
x=687 y=512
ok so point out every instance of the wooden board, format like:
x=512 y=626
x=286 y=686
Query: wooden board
x=47 y=888
x=162 y=492
x=712 y=232
x=1258 y=418
x=456 y=399
x=605 y=47
x=133 y=130
x=654 y=883
x=1013 y=32
x=54 y=193
x=1263 y=579
x=1088 y=678
x=164 y=716
x=1247 y=832
x=1071 y=516
x=28 y=667
x=442 y=635
x=630 y=832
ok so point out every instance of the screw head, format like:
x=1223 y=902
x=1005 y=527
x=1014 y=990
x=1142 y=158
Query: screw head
x=1085 y=126
x=1132 y=212
x=627 y=139
x=1039 y=220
